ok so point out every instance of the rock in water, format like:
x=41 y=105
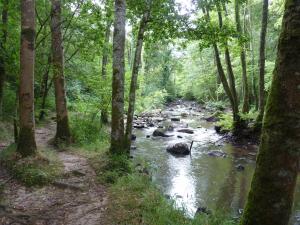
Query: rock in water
x=133 y=137
x=160 y=133
x=217 y=153
x=179 y=149
x=203 y=210
x=187 y=131
x=175 y=119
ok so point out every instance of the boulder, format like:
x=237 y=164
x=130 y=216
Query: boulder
x=184 y=114
x=160 y=133
x=187 y=131
x=203 y=210
x=216 y=153
x=133 y=137
x=179 y=149
x=240 y=167
x=139 y=126
x=175 y=119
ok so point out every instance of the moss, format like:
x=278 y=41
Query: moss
x=63 y=134
x=26 y=142
x=29 y=35
x=36 y=170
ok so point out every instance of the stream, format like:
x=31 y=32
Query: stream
x=216 y=175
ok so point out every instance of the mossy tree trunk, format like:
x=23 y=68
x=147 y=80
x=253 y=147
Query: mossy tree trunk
x=246 y=106
x=63 y=133
x=271 y=197
x=117 y=120
x=3 y=51
x=262 y=53
x=134 y=78
x=26 y=142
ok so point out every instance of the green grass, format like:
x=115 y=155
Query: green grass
x=32 y=171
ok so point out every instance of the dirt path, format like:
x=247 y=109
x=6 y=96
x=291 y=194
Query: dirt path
x=75 y=199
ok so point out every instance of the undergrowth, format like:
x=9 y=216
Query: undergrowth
x=34 y=170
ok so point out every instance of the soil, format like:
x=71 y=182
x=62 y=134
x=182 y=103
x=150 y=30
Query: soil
x=75 y=199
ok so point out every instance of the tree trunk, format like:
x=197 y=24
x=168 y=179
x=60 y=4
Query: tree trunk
x=3 y=52
x=104 y=114
x=117 y=123
x=134 y=78
x=246 y=106
x=237 y=123
x=45 y=89
x=63 y=133
x=262 y=52
x=271 y=197
x=26 y=143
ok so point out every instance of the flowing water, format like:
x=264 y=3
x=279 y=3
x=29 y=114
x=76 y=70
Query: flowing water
x=200 y=180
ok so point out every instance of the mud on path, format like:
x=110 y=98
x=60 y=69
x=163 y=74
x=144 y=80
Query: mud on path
x=75 y=199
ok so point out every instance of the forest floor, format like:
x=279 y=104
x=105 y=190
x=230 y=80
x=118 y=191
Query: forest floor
x=74 y=199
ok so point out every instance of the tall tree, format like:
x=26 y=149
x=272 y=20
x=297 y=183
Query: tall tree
x=26 y=142
x=246 y=106
x=117 y=120
x=271 y=197
x=63 y=133
x=134 y=76
x=262 y=53
x=105 y=54
x=3 y=51
x=235 y=102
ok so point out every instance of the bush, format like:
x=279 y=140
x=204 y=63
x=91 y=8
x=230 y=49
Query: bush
x=225 y=122
x=87 y=130
x=110 y=167
x=32 y=171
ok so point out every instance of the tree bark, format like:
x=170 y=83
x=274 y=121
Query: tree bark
x=104 y=114
x=63 y=133
x=262 y=53
x=246 y=106
x=3 y=52
x=134 y=78
x=271 y=197
x=117 y=123
x=26 y=143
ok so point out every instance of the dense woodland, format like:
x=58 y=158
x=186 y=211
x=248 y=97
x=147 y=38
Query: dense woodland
x=92 y=67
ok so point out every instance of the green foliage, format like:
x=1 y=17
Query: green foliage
x=226 y=122
x=32 y=171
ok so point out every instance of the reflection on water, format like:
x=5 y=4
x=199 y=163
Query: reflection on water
x=201 y=180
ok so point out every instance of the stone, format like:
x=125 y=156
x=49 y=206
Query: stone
x=179 y=149
x=217 y=153
x=175 y=119
x=160 y=133
x=187 y=131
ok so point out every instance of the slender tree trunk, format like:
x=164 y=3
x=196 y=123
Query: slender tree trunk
x=246 y=106
x=134 y=78
x=26 y=143
x=104 y=114
x=262 y=53
x=237 y=123
x=3 y=52
x=44 y=89
x=254 y=86
x=63 y=133
x=117 y=123
x=271 y=197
